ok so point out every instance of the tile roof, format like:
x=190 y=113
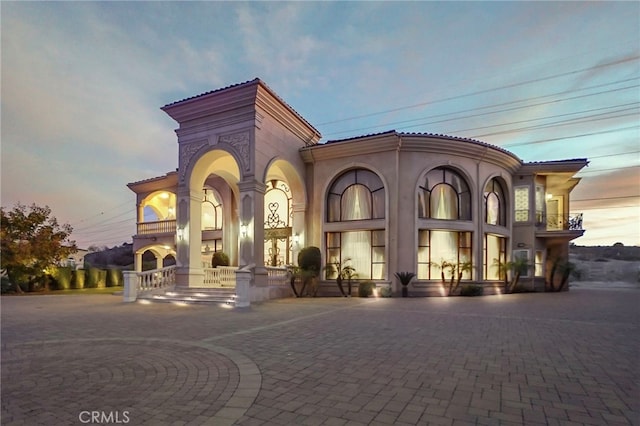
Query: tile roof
x=423 y=134
x=248 y=83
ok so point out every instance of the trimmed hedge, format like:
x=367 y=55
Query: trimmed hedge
x=471 y=290
x=114 y=277
x=95 y=278
x=77 y=279
x=62 y=277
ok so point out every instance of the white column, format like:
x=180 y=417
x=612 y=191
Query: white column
x=299 y=220
x=251 y=245
x=189 y=272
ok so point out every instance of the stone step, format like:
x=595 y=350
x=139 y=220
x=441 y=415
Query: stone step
x=194 y=295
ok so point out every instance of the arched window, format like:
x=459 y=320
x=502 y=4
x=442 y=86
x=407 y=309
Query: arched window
x=211 y=211
x=494 y=204
x=358 y=197
x=278 y=219
x=444 y=195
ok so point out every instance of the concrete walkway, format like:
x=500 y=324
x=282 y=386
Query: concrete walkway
x=548 y=359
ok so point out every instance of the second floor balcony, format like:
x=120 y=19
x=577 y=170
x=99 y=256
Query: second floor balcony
x=157 y=227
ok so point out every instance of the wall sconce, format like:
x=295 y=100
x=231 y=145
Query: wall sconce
x=243 y=230
x=296 y=238
x=180 y=233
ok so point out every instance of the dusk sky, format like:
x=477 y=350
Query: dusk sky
x=83 y=83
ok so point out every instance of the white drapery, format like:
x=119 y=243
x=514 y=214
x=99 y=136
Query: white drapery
x=356 y=203
x=356 y=246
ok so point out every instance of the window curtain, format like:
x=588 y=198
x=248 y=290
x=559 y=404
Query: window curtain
x=444 y=246
x=357 y=246
x=444 y=202
x=493 y=208
x=356 y=203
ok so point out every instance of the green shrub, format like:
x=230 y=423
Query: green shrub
x=77 y=279
x=385 y=291
x=365 y=288
x=6 y=286
x=219 y=258
x=114 y=277
x=95 y=278
x=61 y=278
x=310 y=259
x=471 y=290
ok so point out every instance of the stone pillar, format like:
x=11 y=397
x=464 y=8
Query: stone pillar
x=130 y=292
x=189 y=272
x=159 y=262
x=251 y=245
x=138 y=262
x=243 y=288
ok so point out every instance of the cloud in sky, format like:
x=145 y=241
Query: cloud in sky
x=82 y=84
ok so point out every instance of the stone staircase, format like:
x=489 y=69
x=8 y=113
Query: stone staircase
x=191 y=295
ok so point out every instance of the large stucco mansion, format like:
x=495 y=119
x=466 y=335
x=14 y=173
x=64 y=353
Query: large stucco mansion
x=254 y=182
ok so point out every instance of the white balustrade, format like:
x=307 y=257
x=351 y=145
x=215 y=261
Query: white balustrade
x=156 y=279
x=222 y=276
x=277 y=276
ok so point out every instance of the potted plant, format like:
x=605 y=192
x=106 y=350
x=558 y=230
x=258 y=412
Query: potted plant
x=405 y=278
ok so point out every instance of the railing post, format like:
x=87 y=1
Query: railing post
x=130 y=292
x=243 y=288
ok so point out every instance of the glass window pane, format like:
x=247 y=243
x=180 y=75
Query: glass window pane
x=356 y=203
x=377 y=272
x=423 y=271
x=378 y=237
x=357 y=247
x=368 y=179
x=444 y=202
x=333 y=208
x=522 y=203
x=378 y=204
x=423 y=238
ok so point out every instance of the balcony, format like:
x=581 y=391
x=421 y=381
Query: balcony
x=562 y=226
x=158 y=227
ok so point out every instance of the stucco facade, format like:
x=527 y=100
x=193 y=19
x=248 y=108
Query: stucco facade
x=253 y=181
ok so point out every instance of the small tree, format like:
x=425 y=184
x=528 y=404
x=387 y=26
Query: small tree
x=30 y=241
x=219 y=258
x=309 y=262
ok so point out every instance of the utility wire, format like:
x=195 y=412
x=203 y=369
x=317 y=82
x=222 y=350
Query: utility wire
x=479 y=92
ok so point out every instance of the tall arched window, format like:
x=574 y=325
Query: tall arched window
x=494 y=204
x=357 y=197
x=278 y=219
x=211 y=211
x=444 y=195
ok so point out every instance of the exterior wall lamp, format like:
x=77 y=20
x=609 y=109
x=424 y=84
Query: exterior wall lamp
x=296 y=238
x=243 y=230
x=180 y=233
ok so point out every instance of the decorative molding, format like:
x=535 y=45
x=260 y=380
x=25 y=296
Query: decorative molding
x=187 y=152
x=240 y=142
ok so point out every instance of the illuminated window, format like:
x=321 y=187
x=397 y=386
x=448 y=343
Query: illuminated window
x=211 y=211
x=495 y=254
x=444 y=195
x=494 y=204
x=436 y=247
x=357 y=197
x=521 y=200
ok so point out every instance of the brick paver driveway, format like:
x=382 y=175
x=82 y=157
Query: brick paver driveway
x=571 y=358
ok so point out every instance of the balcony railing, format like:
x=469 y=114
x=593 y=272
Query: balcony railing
x=560 y=222
x=158 y=227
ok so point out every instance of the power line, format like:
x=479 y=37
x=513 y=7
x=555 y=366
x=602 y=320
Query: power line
x=569 y=137
x=479 y=92
x=607 y=198
x=393 y=123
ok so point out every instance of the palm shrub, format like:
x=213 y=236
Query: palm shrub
x=405 y=278
x=517 y=267
x=342 y=271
